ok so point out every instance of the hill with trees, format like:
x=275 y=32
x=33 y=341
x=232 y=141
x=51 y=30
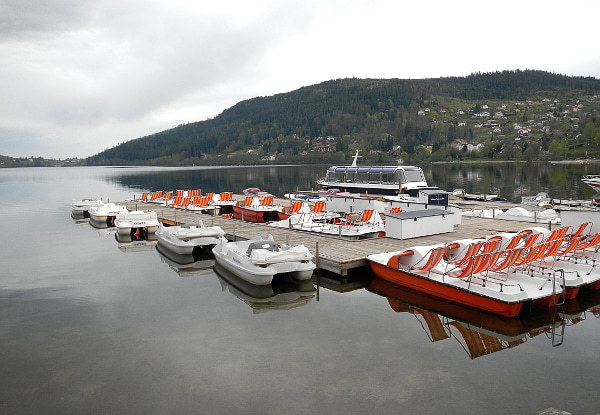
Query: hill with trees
x=501 y=115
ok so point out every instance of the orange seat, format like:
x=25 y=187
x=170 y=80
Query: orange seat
x=581 y=228
x=267 y=201
x=156 y=195
x=318 y=207
x=294 y=208
x=367 y=215
x=177 y=201
x=225 y=196
x=246 y=202
x=433 y=259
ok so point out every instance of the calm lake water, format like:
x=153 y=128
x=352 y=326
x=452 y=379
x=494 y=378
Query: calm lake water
x=89 y=325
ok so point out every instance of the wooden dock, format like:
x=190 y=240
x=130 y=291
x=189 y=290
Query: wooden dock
x=332 y=253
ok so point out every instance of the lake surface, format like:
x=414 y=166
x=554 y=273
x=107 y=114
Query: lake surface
x=91 y=325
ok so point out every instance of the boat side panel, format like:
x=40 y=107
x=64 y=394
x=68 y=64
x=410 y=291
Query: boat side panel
x=445 y=292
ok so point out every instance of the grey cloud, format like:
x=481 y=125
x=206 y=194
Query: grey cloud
x=30 y=17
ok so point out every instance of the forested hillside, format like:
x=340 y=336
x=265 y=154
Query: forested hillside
x=431 y=119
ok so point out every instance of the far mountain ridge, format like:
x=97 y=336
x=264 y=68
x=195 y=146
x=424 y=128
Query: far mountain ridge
x=414 y=119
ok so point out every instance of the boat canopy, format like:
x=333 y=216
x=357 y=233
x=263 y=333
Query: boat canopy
x=377 y=174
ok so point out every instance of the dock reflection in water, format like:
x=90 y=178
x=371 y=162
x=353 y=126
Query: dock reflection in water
x=480 y=333
x=283 y=293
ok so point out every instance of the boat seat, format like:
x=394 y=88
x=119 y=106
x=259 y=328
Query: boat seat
x=268 y=245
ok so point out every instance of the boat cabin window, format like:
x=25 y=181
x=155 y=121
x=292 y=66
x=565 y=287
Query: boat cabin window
x=388 y=176
x=413 y=176
x=375 y=175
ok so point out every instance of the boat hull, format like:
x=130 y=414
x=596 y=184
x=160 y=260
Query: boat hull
x=255 y=216
x=455 y=295
x=263 y=277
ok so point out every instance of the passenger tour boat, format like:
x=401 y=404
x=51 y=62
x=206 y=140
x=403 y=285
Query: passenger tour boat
x=384 y=180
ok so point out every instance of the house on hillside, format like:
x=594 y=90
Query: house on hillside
x=460 y=144
x=325 y=147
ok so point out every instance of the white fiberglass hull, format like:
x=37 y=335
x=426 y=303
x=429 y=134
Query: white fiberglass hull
x=233 y=257
x=125 y=222
x=106 y=211
x=183 y=240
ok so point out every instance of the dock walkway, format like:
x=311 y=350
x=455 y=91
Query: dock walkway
x=331 y=253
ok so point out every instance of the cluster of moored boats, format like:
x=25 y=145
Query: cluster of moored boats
x=498 y=274
x=126 y=222
x=256 y=260
x=306 y=213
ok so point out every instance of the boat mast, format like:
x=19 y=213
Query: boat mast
x=354 y=158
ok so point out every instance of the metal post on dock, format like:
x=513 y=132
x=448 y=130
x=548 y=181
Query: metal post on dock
x=234 y=239
x=317 y=255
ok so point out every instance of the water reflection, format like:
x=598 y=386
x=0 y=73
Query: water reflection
x=196 y=265
x=508 y=180
x=283 y=293
x=136 y=242
x=276 y=180
x=481 y=334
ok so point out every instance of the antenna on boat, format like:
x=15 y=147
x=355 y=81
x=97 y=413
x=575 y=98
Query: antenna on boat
x=354 y=158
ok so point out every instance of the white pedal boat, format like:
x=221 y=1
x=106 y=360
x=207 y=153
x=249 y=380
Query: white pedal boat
x=125 y=222
x=80 y=208
x=106 y=212
x=258 y=260
x=183 y=239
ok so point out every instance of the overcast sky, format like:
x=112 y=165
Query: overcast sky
x=80 y=76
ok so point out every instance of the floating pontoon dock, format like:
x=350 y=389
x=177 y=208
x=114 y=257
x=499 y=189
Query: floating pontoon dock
x=332 y=254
